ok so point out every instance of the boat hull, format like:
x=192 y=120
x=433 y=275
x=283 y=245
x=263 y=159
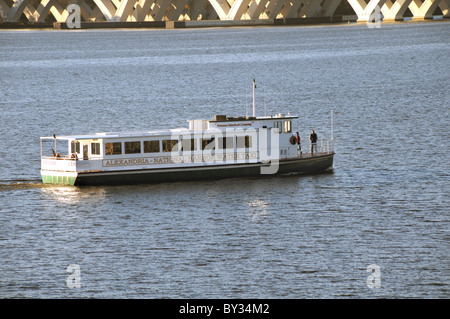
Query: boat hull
x=307 y=165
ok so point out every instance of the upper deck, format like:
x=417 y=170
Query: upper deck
x=220 y=122
x=223 y=122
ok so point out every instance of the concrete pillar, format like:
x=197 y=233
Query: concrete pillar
x=273 y=8
x=17 y=9
x=124 y=9
x=423 y=10
x=221 y=7
x=256 y=8
x=59 y=12
x=364 y=10
x=311 y=8
x=43 y=9
x=107 y=8
x=89 y=14
x=4 y=10
x=142 y=9
x=30 y=13
x=445 y=8
x=291 y=9
x=196 y=9
x=394 y=11
x=210 y=13
x=329 y=7
x=238 y=8
x=176 y=9
x=159 y=9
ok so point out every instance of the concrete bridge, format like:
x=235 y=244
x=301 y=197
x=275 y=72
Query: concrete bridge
x=188 y=10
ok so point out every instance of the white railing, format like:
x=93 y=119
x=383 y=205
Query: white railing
x=51 y=163
x=322 y=147
x=59 y=157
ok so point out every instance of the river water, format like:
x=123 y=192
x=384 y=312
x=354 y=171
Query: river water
x=386 y=203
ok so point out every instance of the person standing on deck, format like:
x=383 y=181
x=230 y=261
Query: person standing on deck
x=299 y=143
x=313 y=140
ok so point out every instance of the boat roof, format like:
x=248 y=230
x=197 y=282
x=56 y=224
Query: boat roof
x=224 y=118
x=182 y=130
x=103 y=135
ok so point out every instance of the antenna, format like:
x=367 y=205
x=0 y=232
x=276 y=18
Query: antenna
x=264 y=100
x=332 y=138
x=246 y=102
x=331 y=124
x=254 y=108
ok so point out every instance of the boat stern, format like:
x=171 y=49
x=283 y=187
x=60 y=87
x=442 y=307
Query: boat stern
x=58 y=171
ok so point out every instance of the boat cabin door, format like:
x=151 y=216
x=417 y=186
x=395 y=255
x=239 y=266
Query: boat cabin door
x=85 y=152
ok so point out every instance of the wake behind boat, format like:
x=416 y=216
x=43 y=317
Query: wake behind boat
x=222 y=147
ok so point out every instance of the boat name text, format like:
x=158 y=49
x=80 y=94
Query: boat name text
x=176 y=159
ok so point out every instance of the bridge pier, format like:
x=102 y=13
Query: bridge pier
x=445 y=8
x=423 y=10
x=256 y=8
x=176 y=9
x=394 y=11
x=363 y=10
x=233 y=10
x=329 y=7
x=124 y=10
x=141 y=10
x=196 y=9
x=311 y=8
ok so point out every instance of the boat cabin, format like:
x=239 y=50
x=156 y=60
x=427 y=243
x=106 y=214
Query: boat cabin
x=219 y=135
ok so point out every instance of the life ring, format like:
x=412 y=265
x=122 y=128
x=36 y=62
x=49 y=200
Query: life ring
x=293 y=140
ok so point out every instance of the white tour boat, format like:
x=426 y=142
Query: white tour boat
x=222 y=147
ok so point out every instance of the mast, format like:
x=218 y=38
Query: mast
x=254 y=108
x=332 y=124
x=332 y=128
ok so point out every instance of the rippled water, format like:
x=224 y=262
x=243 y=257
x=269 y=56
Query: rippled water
x=386 y=202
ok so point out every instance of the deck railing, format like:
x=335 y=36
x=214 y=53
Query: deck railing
x=322 y=147
x=60 y=157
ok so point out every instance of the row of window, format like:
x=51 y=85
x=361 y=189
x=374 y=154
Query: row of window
x=279 y=125
x=95 y=147
x=155 y=146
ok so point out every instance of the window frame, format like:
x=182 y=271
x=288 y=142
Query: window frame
x=97 y=146
x=170 y=142
x=113 y=154
x=207 y=142
x=225 y=139
x=278 y=125
x=75 y=146
x=243 y=141
x=187 y=146
x=287 y=124
x=150 y=141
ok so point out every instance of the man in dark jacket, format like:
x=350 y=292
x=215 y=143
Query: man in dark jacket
x=313 y=140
